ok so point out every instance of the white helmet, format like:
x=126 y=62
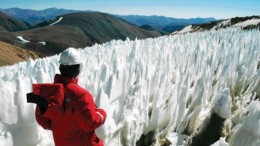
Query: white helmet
x=70 y=56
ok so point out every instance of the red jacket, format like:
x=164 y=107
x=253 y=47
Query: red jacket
x=74 y=122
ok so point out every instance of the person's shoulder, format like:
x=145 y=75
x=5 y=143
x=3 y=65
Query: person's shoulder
x=77 y=90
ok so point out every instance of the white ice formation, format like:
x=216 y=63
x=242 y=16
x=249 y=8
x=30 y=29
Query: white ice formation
x=164 y=87
x=221 y=142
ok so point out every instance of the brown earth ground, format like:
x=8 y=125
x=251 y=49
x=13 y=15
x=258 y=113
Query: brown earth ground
x=11 y=54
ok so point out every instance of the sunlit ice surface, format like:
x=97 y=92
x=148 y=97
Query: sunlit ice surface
x=166 y=89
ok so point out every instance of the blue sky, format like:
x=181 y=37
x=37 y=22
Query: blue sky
x=171 y=8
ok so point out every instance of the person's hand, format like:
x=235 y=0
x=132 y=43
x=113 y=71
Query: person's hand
x=102 y=113
x=39 y=100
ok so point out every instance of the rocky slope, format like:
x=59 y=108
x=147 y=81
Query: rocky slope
x=75 y=30
x=11 y=24
x=11 y=54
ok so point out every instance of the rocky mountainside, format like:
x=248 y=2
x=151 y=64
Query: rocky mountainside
x=11 y=24
x=11 y=54
x=101 y=27
x=80 y=30
x=71 y=30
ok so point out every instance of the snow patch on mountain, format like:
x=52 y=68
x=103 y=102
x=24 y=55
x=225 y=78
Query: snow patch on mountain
x=242 y=22
x=225 y=23
x=154 y=90
x=184 y=30
x=43 y=43
x=22 y=40
x=59 y=20
x=248 y=22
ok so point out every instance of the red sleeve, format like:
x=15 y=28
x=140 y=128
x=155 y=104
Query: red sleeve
x=86 y=114
x=52 y=113
x=41 y=120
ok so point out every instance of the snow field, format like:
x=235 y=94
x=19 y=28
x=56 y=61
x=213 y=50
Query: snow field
x=166 y=86
x=248 y=22
x=219 y=25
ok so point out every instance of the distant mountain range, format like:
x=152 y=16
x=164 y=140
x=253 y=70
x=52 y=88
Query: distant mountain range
x=165 y=24
x=79 y=29
x=161 y=23
x=34 y=17
x=250 y=22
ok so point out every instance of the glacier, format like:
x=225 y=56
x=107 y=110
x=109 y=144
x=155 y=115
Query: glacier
x=163 y=91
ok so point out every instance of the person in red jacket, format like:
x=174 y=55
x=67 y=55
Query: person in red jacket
x=73 y=122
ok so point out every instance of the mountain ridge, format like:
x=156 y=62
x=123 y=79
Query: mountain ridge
x=8 y=23
x=248 y=22
x=77 y=30
x=35 y=16
x=158 y=22
x=161 y=22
